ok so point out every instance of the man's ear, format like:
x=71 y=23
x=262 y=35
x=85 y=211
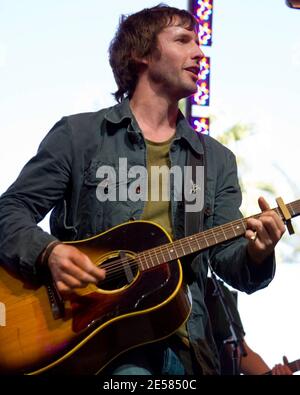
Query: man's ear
x=140 y=60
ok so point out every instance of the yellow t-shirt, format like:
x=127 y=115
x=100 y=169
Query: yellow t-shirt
x=158 y=207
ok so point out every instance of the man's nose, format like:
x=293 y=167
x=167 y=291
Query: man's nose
x=197 y=52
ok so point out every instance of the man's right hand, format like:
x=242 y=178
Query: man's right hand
x=70 y=269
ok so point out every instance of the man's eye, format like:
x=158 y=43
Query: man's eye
x=182 y=40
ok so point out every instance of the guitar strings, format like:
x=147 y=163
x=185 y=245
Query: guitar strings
x=115 y=268
x=209 y=235
x=144 y=256
x=147 y=255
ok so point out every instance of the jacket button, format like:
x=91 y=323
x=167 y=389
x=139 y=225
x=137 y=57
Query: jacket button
x=207 y=211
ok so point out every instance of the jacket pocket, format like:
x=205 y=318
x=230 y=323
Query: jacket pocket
x=105 y=200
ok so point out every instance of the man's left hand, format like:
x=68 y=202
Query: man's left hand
x=280 y=369
x=263 y=233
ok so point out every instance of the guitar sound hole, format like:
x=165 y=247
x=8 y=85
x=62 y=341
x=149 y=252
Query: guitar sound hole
x=118 y=274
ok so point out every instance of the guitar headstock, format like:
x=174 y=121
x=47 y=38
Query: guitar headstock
x=285 y=214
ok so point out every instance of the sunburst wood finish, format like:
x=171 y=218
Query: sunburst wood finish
x=151 y=307
x=142 y=300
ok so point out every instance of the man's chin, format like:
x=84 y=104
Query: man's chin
x=193 y=88
x=188 y=91
x=191 y=91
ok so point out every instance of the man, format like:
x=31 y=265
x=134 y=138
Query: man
x=155 y=58
x=249 y=364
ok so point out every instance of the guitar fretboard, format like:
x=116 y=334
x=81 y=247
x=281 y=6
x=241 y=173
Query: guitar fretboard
x=294 y=366
x=200 y=241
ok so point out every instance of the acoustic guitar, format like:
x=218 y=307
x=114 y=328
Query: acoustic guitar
x=142 y=300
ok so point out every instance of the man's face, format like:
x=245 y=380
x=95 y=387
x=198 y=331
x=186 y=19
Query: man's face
x=173 y=68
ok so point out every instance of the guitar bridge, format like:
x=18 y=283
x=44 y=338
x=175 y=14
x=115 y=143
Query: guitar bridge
x=56 y=302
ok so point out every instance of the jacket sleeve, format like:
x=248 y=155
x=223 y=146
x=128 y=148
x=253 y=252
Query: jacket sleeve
x=230 y=259
x=41 y=183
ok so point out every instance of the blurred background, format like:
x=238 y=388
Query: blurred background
x=54 y=62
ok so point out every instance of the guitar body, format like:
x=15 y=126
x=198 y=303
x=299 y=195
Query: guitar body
x=130 y=308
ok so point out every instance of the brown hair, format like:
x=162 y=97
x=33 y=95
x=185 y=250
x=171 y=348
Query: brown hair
x=136 y=37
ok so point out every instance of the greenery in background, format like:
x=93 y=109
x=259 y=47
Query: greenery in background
x=231 y=139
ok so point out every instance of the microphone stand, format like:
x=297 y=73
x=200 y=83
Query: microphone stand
x=236 y=340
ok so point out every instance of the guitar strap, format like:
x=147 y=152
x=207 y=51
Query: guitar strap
x=205 y=352
x=194 y=220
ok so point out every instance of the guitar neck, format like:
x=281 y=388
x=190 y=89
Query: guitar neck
x=201 y=241
x=294 y=367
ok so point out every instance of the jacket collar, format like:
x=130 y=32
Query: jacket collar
x=186 y=132
x=118 y=113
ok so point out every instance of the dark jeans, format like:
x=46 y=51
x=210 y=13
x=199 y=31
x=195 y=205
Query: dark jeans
x=169 y=357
